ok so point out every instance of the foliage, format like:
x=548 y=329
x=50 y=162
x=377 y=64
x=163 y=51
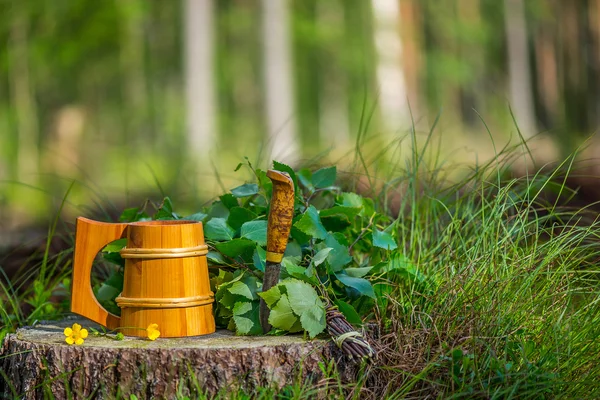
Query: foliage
x=483 y=288
x=118 y=67
x=339 y=245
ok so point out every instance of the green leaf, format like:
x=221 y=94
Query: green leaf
x=199 y=216
x=298 y=272
x=242 y=307
x=114 y=258
x=305 y=177
x=290 y=268
x=336 y=223
x=264 y=182
x=286 y=168
x=115 y=279
x=246 y=317
x=107 y=292
x=227 y=300
x=297 y=235
x=231 y=325
x=255 y=231
x=358 y=272
x=368 y=207
x=236 y=276
x=217 y=229
x=221 y=278
x=349 y=312
x=165 y=211
x=259 y=258
x=309 y=272
x=321 y=256
x=216 y=258
x=313 y=321
x=246 y=326
x=128 y=214
x=218 y=210
x=324 y=177
x=361 y=285
x=229 y=201
x=293 y=249
x=352 y=200
x=245 y=190
x=383 y=240
x=302 y=296
x=238 y=216
x=349 y=212
x=116 y=246
x=282 y=316
x=241 y=288
x=271 y=296
x=133 y=215
x=235 y=247
x=339 y=255
x=338 y=218
x=311 y=225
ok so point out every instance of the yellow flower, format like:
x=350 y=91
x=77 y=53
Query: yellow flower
x=153 y=331
x=75 y=334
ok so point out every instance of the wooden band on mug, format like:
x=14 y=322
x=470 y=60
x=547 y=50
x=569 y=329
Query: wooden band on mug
x=181 y=252
x=274 y=257
x=159 y=302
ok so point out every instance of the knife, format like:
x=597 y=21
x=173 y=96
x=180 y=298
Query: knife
x=281 y=214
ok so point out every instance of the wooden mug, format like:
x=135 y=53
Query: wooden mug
x=165 y=278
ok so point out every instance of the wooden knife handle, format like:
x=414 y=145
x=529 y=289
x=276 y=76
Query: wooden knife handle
x=280 y=215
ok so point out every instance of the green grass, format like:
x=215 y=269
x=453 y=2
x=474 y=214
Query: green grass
x=511 y=305
x=503 y=301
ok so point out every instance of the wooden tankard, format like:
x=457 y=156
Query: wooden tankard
x=165 y=279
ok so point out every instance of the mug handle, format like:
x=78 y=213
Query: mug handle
x=91 y=236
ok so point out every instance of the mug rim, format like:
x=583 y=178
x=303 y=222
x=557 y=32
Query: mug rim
x=167 y=222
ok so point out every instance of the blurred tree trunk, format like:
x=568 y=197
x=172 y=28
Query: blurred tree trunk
x=390 y=74
x=278 y=70
x=547 y=74
x=199 y=76
x=132 y=61
x=443 y=63
x=594 y=22
x=412 y=60
x=333 y=111
x=23 y=102
x=363 y=93
x=521 y=99
x=472 y=51
x=575 y=85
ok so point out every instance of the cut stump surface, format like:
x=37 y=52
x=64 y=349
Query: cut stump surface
x=37 y=362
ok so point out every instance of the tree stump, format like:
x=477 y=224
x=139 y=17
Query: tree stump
x=37 y=362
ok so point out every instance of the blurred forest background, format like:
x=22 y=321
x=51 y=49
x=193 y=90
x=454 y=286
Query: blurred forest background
x=143 y=97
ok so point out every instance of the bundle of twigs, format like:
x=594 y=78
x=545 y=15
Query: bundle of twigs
x=352 y=342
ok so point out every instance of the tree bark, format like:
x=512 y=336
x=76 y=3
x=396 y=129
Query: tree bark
x=37 y=362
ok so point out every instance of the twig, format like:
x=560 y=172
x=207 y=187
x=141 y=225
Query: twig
x=363 y=232
x=345 y=336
